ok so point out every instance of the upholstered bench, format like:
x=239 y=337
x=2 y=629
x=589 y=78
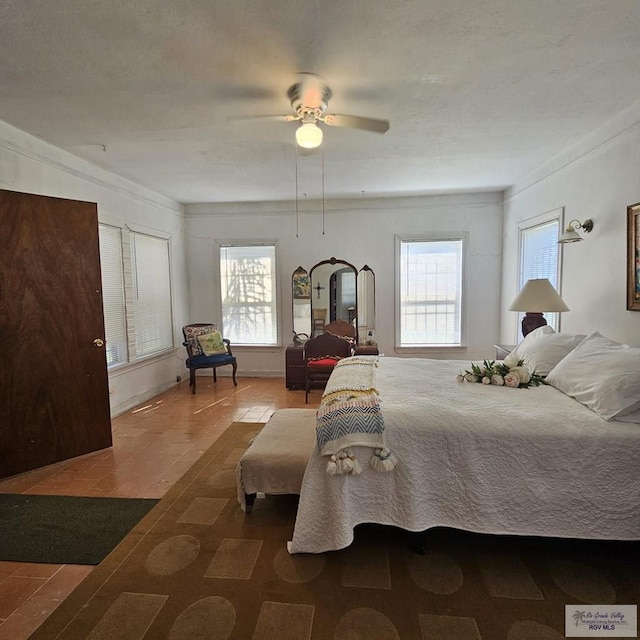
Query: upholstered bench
x=275 y=461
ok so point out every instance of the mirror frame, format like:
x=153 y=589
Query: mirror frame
x=301 y=290
x=342 y=264
x=302 y=295
x=364 y=306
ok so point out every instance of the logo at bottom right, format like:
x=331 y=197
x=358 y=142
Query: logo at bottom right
x=601 y=621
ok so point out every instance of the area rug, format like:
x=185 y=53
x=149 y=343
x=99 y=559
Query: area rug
x=198 y=568
x=65 y=529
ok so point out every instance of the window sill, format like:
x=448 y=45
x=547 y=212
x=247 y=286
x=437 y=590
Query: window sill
x=126 y=367
x=255 y=347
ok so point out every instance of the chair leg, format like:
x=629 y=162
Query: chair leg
x=192 y=380
x=215 y=379
x=233 y=375
x=306 y=390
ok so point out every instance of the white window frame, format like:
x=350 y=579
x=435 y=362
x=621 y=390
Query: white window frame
x=462 y=238
x=275 y=304
x=131 y=289
x=553 y=319
x=128 y=282
x=116 y=275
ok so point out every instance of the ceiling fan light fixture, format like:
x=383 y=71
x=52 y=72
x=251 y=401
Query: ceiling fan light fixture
x=309 y=135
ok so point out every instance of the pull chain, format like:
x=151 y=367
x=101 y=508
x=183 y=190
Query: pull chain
x=297 y=222
x=322 y=151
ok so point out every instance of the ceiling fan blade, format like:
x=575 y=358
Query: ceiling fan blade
x=356 y=122
x=271 y=118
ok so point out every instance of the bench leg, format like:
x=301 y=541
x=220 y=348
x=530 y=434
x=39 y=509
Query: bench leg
x=249 y=499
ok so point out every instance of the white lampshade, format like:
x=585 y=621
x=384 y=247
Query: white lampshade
x=538 y=296
x=309 y=135
x=570 y=235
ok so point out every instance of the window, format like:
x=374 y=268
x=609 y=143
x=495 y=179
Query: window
x=115 y=313
x=136 y=294
x=430 y=287
x=539 y=255
x=248 y=293
x=151 y=295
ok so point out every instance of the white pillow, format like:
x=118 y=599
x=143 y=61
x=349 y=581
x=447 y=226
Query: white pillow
x=603 y=375
x=543 y=348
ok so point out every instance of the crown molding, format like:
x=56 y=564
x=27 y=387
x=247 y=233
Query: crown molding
x=25 y=144
x=607 y=133
x=342 y=205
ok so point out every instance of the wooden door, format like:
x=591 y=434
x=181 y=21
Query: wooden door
x=54 y=393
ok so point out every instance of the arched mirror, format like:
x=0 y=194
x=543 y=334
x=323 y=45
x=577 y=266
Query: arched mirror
x=334 y=292
x=301 y=289
x=366 y=305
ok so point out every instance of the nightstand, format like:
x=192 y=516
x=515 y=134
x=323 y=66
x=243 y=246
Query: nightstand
x=294 y=366
x=366 y=350
x=503 y=350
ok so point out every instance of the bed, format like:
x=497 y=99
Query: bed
x=482 y=458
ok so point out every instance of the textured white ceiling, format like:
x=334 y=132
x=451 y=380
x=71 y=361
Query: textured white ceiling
x=479 y=92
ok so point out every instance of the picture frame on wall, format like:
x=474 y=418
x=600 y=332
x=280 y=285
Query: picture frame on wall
x=633 y=257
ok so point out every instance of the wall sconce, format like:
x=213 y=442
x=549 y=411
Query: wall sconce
x=536 y=297
x=570 y=234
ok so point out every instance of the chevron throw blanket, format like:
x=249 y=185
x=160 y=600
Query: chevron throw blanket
x=349 y=415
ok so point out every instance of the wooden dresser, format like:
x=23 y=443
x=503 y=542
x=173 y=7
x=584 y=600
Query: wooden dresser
x=294 y=366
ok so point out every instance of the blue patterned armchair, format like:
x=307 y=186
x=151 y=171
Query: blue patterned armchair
x=206 y=349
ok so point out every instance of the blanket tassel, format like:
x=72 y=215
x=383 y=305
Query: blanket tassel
x=383 y=460
x=343 y=462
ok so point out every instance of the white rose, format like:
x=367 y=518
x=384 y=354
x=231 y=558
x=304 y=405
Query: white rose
x=522 y=373
x=460 y=378
x=497 y=379
x=471 y=378
x=512 y=380
x=512 y=360
x=486 y=380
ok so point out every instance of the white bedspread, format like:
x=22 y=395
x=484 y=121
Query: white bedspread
x=479 y=458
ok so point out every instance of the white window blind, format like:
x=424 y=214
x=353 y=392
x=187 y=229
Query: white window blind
x=151 y=295
x=430 y=292
x=539 y=250
x=113 y=302
x=248 y=293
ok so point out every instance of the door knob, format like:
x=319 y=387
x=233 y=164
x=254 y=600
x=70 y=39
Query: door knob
x=98 y=342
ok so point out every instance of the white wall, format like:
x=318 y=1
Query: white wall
x=597 y=179
x=360 y=231
x=29 y=165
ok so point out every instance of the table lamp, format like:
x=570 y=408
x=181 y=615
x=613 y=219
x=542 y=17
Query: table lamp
x=536 y=297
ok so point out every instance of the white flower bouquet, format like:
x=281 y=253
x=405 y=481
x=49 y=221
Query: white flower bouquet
x=515 y=375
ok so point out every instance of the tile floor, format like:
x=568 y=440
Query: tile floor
x=153 y=445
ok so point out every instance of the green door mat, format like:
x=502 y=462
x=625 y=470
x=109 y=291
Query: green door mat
x=65 y=529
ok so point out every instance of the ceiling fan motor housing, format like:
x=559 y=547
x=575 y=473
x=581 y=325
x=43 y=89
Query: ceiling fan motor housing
x=309 y=99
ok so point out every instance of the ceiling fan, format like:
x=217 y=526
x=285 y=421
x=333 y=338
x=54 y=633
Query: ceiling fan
x=309 y=100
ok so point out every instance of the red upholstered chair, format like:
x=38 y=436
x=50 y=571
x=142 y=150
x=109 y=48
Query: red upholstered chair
x=320 y=356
